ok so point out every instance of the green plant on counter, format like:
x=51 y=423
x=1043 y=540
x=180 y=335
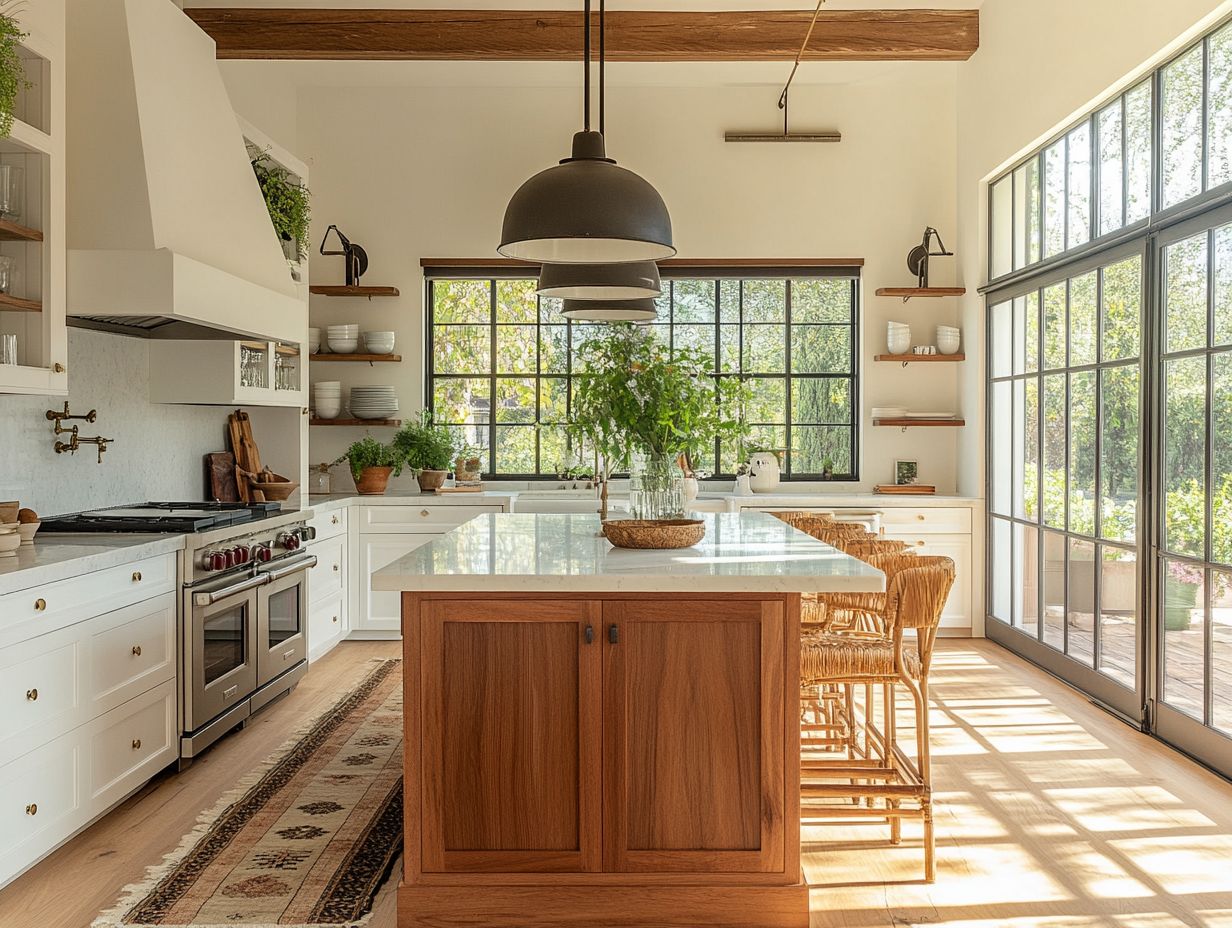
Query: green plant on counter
x=368 y=452
x=12 y=73
x=288 y=202
x=424 y=446
x=634 y=394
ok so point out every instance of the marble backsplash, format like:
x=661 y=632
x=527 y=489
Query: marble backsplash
x=157 y=449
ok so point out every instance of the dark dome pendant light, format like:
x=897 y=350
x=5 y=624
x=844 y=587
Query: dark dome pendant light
x=610 y=310
x=587 y=209
x=639 y=280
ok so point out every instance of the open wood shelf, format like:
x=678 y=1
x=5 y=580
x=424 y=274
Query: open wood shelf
x=12 y=232
x=369 y=292
x=366 y=423
x=924 y=358
x=906 y=423
x=924 y=292
x=373 y=358
x=15 y=304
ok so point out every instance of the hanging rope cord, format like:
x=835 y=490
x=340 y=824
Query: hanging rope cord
x=586 y=62
x=796 y=66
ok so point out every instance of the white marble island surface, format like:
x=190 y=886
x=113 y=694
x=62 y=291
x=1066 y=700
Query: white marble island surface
x=747 y=552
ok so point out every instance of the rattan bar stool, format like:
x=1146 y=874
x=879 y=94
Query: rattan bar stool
x=794 y=516
x=881 y=782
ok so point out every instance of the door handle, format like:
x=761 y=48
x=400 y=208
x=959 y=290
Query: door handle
x=230 y=691
x=287 y=655
x=612 y=634
x=590 y=635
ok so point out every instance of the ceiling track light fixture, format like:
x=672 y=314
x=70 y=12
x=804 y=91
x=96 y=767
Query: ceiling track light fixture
x=641 y=311
x=587 y=209
x=638 y=280
x=786 y=135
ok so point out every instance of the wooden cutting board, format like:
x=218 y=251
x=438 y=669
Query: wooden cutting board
x=907 y=489
x=247 y=457
x=220 y=479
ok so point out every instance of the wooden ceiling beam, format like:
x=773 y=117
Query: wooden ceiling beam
x=543 y=35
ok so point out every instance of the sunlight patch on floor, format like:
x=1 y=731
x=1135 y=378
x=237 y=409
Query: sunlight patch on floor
x=1121 y=809
x=1182 y=864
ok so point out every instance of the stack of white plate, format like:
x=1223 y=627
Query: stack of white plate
x=379 y=342
x=948 y=339
x=898 y=337
x=327 y=399
x=889 y=412
x=373 y=402
x=314 y=340
x=343 y=339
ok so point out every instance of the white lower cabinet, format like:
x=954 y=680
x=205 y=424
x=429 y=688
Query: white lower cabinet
x=88 y=703
x=957 y=612
x=380 y=612
x=327 y=584
x=327 y=623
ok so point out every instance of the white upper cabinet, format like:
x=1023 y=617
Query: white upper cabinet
x=32 y=214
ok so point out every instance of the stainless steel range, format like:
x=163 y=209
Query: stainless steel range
x=244 y=605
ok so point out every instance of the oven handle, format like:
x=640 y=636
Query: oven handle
x=289 y=567
x=248 y=583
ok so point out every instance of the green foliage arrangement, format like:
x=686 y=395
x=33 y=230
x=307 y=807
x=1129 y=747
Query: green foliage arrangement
x=288 y=203
x=12 y=74
x=636 y=395
x=368 y=452
x=425 y=446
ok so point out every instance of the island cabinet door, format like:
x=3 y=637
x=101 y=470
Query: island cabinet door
x=694 y=737
x=511 y=736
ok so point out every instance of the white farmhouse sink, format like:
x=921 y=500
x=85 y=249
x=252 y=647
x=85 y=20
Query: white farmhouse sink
x=565 y=500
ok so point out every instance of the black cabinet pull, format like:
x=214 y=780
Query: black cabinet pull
x=612 y=635
x=590 y=635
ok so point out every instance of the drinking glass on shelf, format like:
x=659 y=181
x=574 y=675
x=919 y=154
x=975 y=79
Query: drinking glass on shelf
x=8 y=274
x=12 y=191
x=8 y=349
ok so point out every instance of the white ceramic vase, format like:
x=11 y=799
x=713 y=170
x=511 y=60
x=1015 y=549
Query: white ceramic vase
x=765 y=473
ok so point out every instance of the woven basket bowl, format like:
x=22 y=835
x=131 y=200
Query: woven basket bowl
x=654 y=533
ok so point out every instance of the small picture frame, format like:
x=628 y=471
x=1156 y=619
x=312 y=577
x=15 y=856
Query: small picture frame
x=906 y=473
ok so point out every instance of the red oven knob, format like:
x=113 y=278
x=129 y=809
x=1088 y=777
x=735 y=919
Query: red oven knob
x=263 y=553
x=218 y=561
x=289 y=540
x=228 y=558
x=241 y=554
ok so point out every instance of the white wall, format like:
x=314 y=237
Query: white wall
x=1040 y=65
x=157 y=454
x=426 y=171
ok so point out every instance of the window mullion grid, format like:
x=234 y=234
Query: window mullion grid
x=787 y=392
x=492 y=375
x=1206 y=129
x=718 y=363
x=1124 y=160
x=1097 y=567
x=1095 y=195
x=1209 y=471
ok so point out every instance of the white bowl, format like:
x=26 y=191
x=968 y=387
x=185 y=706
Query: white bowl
x=9 y=543
x=947 y=347
x=343 y=346
x=27 y=531
x=899 y=344
x=328 y=411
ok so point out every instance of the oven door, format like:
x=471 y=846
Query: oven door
x=282 y=623
x=220 y=654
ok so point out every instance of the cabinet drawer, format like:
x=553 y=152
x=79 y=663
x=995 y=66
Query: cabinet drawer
x=927 y=521
x=42 y=802
x=41 y=609
x=326 y=624
x=957 y=613
x=418 y=518
x=330 y=523
x=132 y=743
x=136 y=653
x=40 y=697
x=327 y=577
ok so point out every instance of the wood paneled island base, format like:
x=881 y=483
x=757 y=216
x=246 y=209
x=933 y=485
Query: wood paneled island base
x=623 y=760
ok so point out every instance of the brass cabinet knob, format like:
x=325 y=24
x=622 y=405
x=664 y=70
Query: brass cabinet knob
x=32 y=809
x=424 y=513
x=136 y=744
x=920 y=517
x=136 y=576
x=336 y=568
x=333 y=520
x=40 y=605
x=32 y=695
x=335 y=620
x=919 y=544
x=58 y=368
x=136 y=650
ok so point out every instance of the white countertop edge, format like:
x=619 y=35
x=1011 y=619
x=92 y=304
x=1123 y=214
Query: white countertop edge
x=530 y=583
x=48 y=560
x=785 y=500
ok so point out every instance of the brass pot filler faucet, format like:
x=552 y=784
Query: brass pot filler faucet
x=75 y=441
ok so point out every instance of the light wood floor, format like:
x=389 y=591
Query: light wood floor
x=1051 y=814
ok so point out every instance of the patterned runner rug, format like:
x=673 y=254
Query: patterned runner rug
x=305 y=841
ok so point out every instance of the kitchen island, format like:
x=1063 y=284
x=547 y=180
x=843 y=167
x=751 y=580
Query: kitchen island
x=605 y=737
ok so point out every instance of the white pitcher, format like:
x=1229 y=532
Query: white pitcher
x=764 y=472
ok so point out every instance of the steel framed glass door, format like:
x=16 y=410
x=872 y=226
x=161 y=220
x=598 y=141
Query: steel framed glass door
x=1192 y=646
x=1066 y=434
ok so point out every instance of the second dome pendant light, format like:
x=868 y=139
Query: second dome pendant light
x=587 y=209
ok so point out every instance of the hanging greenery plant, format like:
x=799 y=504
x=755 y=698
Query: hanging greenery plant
x=12 y=74
x=288 y=202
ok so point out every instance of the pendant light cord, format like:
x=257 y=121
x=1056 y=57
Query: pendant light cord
x=586 y=65
x=602 y=56
x=795 y=67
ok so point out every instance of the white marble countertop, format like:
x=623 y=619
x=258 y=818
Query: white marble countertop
x=324 y=503
x=58 y=557
x=541 y=553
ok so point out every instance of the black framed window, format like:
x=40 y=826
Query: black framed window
x=501 y=367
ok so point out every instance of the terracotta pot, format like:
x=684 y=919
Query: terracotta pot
x=373 y=481
x=430 y=480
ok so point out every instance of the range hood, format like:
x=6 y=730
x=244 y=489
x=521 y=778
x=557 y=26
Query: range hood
x=168 y=235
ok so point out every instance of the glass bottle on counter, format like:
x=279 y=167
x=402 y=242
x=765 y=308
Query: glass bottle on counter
x=320 y=480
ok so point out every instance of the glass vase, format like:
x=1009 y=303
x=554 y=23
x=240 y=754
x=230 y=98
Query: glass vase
x=656 y=488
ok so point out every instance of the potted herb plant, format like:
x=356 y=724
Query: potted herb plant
x=1180 y=595
x=12 y=73
x=372 y=463
x=288 y=202
x=428 y=449
x=637 y=398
